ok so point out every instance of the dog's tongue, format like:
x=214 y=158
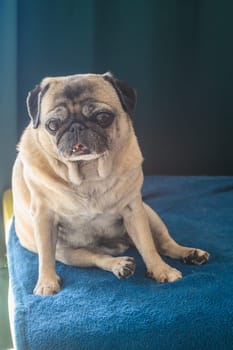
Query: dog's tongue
x=78 y=147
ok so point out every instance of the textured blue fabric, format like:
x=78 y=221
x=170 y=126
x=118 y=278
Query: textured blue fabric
x=95 y=310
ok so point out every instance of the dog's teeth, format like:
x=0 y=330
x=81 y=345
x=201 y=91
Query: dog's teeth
x=77 y=147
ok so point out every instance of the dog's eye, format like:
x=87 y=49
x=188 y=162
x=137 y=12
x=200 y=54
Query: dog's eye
x=104 y=119
x=53 y=124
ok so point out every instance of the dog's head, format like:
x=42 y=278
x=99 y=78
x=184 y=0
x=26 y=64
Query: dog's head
x=82 y=116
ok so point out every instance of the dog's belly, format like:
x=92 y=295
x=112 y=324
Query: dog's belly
x=103 y=233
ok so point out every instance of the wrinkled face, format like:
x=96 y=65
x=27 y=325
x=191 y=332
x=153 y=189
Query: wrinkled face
x=80 y=132
x=84 y=116
x=79 y=120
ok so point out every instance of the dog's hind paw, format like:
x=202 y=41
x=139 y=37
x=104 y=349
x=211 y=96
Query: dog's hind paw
x=196 y=256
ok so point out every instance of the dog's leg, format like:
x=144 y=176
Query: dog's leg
x=45 y=237
x=167 y=246
x=137 y=225
x=122 y=266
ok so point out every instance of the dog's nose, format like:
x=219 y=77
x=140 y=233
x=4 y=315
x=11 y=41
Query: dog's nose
x=76 y=127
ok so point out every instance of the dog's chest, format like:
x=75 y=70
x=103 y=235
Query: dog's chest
x=87 y=231
x=91 y=215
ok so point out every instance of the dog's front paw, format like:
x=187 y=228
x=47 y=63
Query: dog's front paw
x=48 y=285
x=196 y=256
x=164 y=274
x=123 y=267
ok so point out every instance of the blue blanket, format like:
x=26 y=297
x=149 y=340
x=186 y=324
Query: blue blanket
x=95 y=310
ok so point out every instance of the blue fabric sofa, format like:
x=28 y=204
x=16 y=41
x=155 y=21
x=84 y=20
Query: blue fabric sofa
x=95 y=310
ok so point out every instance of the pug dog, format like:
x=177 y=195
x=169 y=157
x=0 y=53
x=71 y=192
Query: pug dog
x=77 y=184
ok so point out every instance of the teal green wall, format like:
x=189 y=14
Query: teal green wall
x=179 y=55
x=8 y=97
x=8 y=137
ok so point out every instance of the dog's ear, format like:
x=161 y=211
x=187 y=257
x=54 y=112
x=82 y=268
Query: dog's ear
x=33 y=103
x=126 y=94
